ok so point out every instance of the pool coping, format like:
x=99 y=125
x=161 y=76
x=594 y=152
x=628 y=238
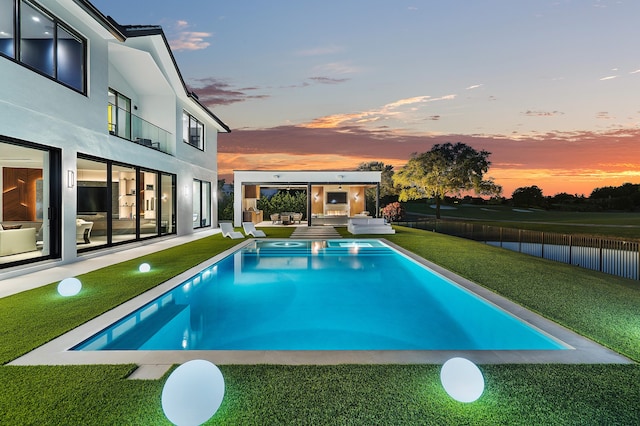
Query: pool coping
x=581 y=350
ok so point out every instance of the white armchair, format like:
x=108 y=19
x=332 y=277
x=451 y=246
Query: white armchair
x=83 y=231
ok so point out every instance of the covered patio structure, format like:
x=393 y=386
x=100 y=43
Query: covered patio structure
x=332 y=196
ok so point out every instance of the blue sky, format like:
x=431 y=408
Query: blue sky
x=545 y=86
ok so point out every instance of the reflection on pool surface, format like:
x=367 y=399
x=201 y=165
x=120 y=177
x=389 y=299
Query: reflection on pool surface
x=319 y=295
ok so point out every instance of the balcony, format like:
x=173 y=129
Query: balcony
x=126 y=125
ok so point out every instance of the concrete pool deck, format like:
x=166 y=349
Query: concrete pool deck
x=155 y=363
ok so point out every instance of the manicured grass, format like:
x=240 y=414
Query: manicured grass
x=344 y=394
x=605 y=224
x=331 y=395
x=23 y=315
x=600 y=306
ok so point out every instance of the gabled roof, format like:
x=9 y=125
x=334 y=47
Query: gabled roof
x=122 y=32
x=106 y=22
x=131 y=31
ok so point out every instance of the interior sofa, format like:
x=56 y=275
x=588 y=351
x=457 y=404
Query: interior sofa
x=14 y=241
x=364 y=225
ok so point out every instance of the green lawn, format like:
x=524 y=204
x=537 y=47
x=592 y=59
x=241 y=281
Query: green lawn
x=612 y=224
x=597 y=305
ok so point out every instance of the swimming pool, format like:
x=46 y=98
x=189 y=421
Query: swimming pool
x=319 y=295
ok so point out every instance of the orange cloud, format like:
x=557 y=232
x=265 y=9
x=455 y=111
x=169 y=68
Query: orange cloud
x=392 y=109
x=575 y=162
x=228 y=162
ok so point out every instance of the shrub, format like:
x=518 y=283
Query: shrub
x=393 y=212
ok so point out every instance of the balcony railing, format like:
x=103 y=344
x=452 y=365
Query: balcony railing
x=126 y=125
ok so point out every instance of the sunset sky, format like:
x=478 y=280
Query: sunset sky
x=550 y=87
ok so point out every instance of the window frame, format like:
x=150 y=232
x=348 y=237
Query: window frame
x=57 y=24
x=115 y=115
x=52 y=179
x=191 y=122
x=112 y=168
x=204 y=203
x=13 y=19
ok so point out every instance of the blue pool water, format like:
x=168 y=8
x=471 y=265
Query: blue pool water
x=319 y=295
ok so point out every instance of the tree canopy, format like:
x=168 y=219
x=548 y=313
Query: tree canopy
x=386 y=183
x=445 y=169
x=388 y=193
x=528 y=196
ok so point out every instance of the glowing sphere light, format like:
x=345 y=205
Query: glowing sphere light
x=144 y=267
x=193 y=393
x=462 y=379
x=69 y=287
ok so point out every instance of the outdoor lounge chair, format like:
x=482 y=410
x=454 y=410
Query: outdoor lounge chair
x=227 y=231
x=275 y=218
x=250 y=229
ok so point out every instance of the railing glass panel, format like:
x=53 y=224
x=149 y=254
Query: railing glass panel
x=127 y=125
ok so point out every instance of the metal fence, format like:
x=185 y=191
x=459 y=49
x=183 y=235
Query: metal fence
x=611 y=256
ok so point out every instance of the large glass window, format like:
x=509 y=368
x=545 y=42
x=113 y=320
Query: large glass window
x=206 y=204
x=119 y=112
x=7 y=32
x=36 y=39
x=44 y=43
x=70 y=59
x=192 y=131
x=93 y=206
x=148 y=203
x=124 y=223
x=167 y=204
x=201 y=203
x=28 y=232
x=125 y=209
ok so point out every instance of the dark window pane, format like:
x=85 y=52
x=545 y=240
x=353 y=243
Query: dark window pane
x=192 y=131
x=36 y=40
x=7 y=32
x=70 y=59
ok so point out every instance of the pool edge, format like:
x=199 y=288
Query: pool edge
x=583 y=351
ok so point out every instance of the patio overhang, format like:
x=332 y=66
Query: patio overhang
x=346 y=187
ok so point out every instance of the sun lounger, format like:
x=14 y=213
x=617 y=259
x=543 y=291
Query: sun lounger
x=250 y=229
x=227 y=231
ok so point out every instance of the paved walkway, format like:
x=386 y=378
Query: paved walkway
x=315 y=232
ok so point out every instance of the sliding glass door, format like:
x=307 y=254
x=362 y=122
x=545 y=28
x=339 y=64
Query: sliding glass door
x=120 y=203
x=30 y=200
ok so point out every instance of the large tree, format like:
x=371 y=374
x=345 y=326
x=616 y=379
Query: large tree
x=388 y=193
x=386 y=183
x=447 y=169
x=528 y=196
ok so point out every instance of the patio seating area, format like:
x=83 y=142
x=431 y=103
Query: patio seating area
x=286 y=218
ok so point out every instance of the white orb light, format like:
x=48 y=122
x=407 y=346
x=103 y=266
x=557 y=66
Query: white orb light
x=193 y=393
x=462 y=379
x=144 y=267
x=69 y=287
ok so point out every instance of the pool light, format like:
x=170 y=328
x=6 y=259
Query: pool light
x=462 y=379
x=69 y=287
x=144 y=267
x=193 y=393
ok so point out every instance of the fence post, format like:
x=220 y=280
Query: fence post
x=519 y=240
x=600 y=255
x=542 y=238
x=570 y=249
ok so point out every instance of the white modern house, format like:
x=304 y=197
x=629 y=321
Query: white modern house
x=101 y=141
